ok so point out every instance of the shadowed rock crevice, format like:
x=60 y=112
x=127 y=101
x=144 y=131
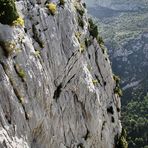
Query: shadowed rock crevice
x=110 y=110
x=57 y=92
x=87 y=135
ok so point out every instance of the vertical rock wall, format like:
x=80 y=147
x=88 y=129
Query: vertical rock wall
x=55 y=92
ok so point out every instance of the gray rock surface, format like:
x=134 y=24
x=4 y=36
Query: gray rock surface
x=52 y=95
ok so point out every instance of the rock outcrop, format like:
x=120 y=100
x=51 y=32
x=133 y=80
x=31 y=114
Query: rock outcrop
x=55 y=91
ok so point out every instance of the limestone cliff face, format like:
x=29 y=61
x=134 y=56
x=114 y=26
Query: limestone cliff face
x=55 y=92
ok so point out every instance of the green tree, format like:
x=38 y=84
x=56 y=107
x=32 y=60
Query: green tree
x=8 y=11
x=135 y=120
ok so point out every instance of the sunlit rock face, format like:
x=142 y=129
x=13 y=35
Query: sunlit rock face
x=53 y=94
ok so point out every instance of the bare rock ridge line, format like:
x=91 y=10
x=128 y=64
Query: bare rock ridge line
x=56 y=82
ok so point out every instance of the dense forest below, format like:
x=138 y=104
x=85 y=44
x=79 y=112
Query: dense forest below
x=135 y=120
x=123 y=25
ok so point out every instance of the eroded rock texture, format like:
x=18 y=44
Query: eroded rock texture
x=54 y=91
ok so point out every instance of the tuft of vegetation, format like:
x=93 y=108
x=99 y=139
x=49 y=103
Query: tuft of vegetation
x=117 y=90
x=80 y=12
x=122 y=143
x=116 y=79
x=80 y=9
x=87 y=42
x=20 y=71
x=21 y=99
x=100 y=40
x=80 y=22
x=135 y=121
x=37 y=53
x=82 y=47
x=52 y=8
x=8 y=47
x=78 y=35
x=93 y=28
x=18 y=22
x=8 y=12
x=84 y=5
x=95 y=81
x=62 y=2
x=104 y=49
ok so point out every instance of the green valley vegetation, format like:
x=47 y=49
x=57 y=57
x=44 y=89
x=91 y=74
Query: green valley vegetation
x=135 y=120
x=123 y=24
x=122 y=142
x=124 y=32
x=125 y=35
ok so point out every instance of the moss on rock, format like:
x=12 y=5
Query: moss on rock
x=8 y=47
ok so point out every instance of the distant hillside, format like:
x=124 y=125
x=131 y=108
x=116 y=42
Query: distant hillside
x=123 y=24
x=125 y=32
x=119 y=4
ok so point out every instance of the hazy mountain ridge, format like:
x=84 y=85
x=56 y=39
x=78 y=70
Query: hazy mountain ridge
x=119 y=4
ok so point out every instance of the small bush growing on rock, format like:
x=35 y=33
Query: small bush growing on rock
x=82 y=47
x=93 y=28
x=122 y=143
x=95 y=81
x=20 y=71
x=62 y=2
x=8 y=47
x=116 y=79
x=100 y=40
x=78 y=35
x=84 y=5
x=18 y=22
x=37 y=53
x=8 y=12
x=52 y=8
x=80 y=11
x=104 y=49
x=80 y=22
x=87 y=42
x=118 y=91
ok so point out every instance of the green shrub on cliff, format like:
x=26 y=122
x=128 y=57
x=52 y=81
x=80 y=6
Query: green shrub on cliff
x=122 y=143
x=8 y=47
x=93 y=28
x=8 y=12
x=62 y=2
